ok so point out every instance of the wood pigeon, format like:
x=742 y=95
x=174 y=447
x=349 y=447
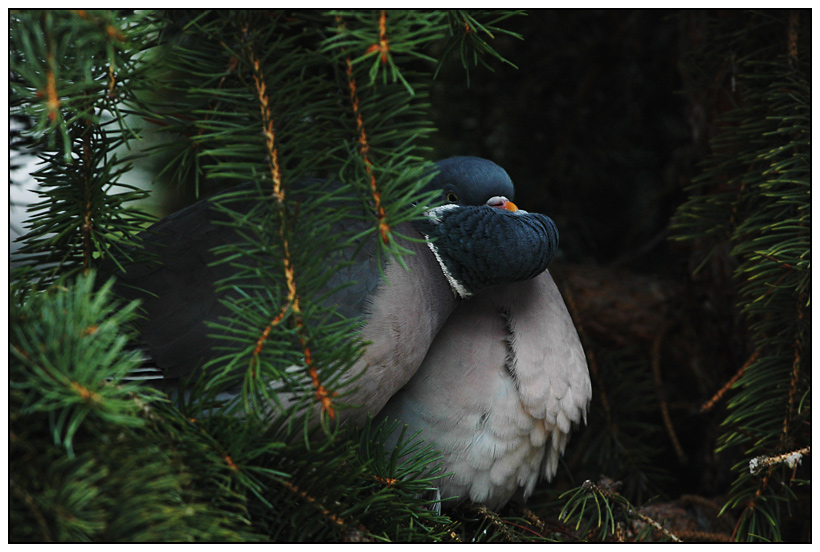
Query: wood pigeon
x=470 y=343
x=503 y=382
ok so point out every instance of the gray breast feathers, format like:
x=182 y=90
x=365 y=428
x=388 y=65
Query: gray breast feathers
x=499 y=390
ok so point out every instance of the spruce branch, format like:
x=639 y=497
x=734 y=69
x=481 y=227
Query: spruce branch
x=791 y=459
x=493 y=520
x=254 y=97
x=612 y=518
x=707 y=406
x=364 y=147
x=754 y=188
x=293 y=299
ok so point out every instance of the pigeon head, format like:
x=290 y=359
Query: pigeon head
x=478 y=236
x=471 y=181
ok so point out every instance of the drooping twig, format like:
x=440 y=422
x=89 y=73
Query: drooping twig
x=322 y=509
x=794 y=23
x=795 y=379
x=751 y=504
x=656 y=372
x=722 y=391
x=381 y=46
x=51 y=96
x=293 y=300
x=658 y=526
x=364 y=146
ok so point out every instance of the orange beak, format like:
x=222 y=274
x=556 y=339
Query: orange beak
x=510 y=206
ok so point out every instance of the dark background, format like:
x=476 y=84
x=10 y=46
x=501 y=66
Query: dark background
x=592 y=126
x=602 y=126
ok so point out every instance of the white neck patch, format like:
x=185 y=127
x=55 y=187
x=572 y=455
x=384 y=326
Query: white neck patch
x=455 y=285
x=433 y=213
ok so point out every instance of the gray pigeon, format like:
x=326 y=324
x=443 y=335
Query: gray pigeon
x=500 y=387
x=472 y=243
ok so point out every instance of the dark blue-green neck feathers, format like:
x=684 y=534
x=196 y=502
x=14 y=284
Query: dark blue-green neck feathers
x=479 y=247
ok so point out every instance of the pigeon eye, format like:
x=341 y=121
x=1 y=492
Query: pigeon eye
x=452 y=197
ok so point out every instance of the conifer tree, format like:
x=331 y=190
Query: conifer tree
x=212 y=99
x=752 y=198
x=262 y=97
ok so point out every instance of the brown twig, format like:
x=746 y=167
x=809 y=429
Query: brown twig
x=33 y=507
x=541 y=524
x=52 y=98
x=750 y=506
x=780 y=263
x=323 y=510
x=228 y=460
x=293 y=299
x=794 y=24
x=792 y=459
x=85 y=393
x=795 y=378
x=690 y=536
x=364 y=146
x=722 y=391
x=646 y=519
x=381 y=46
x=495 y=520
x=86 y=227
x=656 y=372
